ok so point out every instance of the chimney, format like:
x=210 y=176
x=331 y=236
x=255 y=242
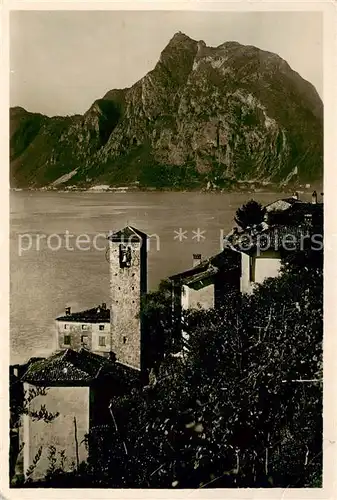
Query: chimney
x=68 y=311
x=314 y=197
x=104 y=306
x=295 y=195
x=196 y=259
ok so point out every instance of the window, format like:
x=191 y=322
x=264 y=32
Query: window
x=251 y=269
x=67 y=340
x=124 y=340
x=101 y=327
x=101 y=341
x=65 y=326
x=84 y=327
x=84 y=339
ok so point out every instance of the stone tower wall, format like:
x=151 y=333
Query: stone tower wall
x=127 y=284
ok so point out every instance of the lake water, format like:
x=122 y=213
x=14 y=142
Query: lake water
x=45 y=278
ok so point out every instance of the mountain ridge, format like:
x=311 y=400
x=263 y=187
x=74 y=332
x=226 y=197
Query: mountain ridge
x=202 y=115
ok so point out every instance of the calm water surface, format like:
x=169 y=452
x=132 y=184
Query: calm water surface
x=44 y=281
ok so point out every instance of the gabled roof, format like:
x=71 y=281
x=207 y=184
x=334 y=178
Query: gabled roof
x=94 y=315
x=225 y=261
x=67 y=367
x=127 y=234
x=282 y=204
x=202 y=276
x=277 y=237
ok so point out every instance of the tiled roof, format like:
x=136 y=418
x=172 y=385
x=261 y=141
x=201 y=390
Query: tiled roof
x=289 y=220
x=282 y=204
x=201 y=276
x=94 y=315
x=128 y=234
x=224 y=261
x=287 y=237
x=67 y=368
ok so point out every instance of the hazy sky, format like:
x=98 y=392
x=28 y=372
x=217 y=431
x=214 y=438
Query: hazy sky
x=61 y=61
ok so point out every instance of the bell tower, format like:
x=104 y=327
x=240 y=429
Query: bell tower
x=128 y=283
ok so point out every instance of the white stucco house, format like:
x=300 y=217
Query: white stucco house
x=288 y=225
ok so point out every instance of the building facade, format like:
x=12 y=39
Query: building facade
x=89 y=329
x=206 y=285
x=289 y=224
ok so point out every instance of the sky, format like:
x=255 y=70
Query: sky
x=61 y=61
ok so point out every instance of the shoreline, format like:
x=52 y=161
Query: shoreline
x=126 y=189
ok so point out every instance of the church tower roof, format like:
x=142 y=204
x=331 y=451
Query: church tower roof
x=125 y=234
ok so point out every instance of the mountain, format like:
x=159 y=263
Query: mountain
x=203 y=115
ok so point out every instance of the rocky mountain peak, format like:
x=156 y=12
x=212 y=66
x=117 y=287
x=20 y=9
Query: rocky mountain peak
x=204 y=115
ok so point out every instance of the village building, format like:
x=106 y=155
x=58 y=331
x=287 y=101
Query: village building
x=77 y=387
x=249 y=256
x=289 y=224
x=89 y=329
x=206 y=284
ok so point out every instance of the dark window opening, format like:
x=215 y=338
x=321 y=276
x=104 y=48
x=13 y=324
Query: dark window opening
x=67 y=340
x=101 y=327
x=251 y=268
x=84 y=339
x=101 y=341
x=124 y=340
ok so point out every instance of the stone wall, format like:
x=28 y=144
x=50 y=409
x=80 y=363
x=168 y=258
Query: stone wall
x=127 y=284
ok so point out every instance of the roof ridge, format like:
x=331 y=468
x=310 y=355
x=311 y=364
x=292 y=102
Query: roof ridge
x=121 y=233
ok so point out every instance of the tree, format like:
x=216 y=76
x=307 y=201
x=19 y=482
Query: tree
x=156 y=315
x=235 y=412
x=250 y=214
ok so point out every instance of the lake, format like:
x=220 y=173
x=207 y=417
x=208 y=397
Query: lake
x=49 y=270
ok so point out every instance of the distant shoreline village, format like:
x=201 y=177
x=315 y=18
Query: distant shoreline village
x=240 y=187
